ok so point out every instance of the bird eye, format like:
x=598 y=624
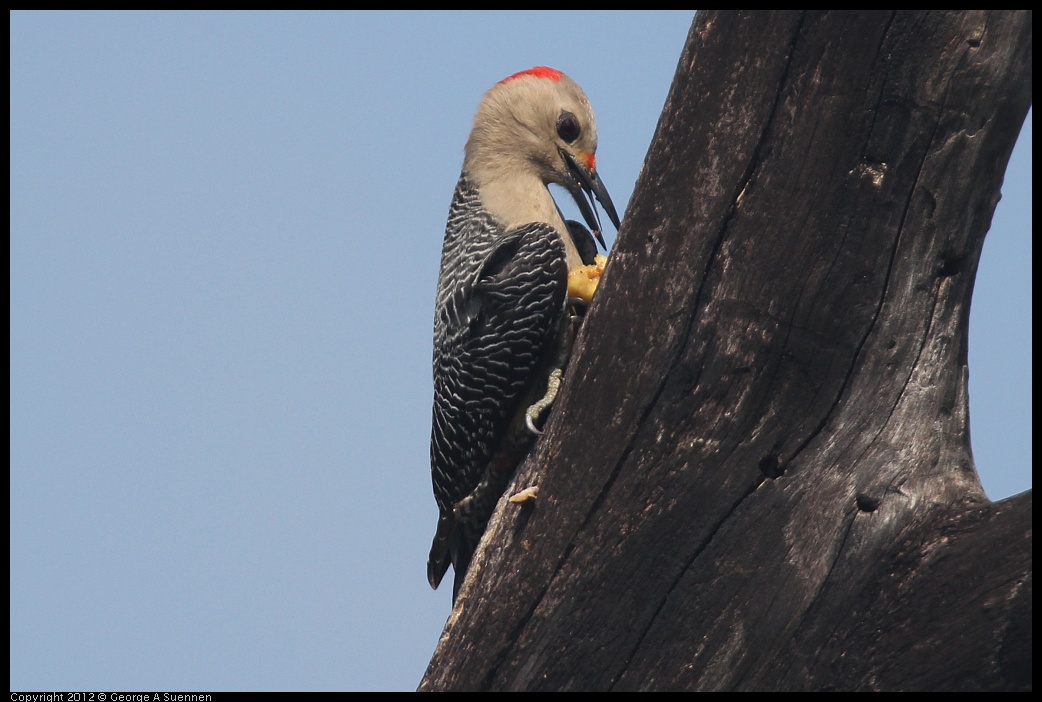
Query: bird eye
x=568 y=127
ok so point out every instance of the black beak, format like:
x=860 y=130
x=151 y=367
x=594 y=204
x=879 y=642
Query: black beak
x=587 y=185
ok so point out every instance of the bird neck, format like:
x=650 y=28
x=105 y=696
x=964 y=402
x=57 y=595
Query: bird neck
x=516 y=201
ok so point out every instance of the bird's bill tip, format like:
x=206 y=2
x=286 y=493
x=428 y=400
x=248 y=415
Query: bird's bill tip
x=601 y=193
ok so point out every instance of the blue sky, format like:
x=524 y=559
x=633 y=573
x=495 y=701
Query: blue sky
x=225 y=234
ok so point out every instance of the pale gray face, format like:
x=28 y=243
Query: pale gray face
x=532 y=129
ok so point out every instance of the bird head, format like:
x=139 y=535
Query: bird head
x=537 y=126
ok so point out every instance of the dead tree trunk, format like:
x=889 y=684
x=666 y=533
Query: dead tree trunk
x=758 y=475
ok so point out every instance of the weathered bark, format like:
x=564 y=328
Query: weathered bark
x=758 y=474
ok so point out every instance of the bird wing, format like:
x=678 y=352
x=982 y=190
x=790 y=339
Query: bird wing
x=500 y=327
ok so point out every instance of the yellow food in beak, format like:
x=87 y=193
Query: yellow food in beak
x=582 y=281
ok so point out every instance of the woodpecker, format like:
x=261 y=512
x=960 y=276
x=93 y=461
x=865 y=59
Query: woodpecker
x=502 y=323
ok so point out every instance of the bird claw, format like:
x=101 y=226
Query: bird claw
x=535 y=411
x=573 y=318
x=576 y=309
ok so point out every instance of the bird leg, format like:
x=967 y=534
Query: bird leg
x=573 y=317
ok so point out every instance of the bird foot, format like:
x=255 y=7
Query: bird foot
x=536 y=410
x=572 y=319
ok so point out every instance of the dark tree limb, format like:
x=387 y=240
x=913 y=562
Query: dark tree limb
x=758 y=475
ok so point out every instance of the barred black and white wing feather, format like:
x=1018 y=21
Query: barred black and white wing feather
x=500 y=303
